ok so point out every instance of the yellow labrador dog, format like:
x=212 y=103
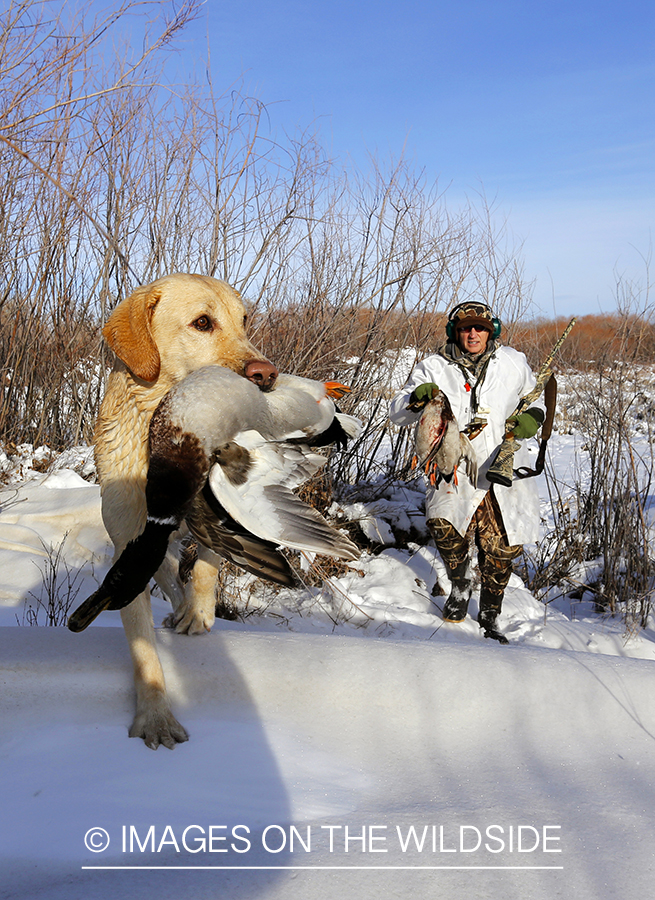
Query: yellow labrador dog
x=160 y=334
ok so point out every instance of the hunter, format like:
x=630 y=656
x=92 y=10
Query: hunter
x=484 y=382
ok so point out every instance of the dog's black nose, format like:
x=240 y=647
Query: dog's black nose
x=261 y=372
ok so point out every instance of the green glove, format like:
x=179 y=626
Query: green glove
x=422 y=395
x=527 y=424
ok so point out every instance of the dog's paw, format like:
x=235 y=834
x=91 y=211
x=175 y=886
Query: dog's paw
x=157 y=727
x=190 y=619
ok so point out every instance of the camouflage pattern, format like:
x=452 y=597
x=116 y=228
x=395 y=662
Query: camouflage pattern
x=501 y=471
x=473 y=314
x=495 y=553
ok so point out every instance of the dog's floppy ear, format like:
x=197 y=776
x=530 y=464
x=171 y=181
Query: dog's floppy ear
x=128 y=333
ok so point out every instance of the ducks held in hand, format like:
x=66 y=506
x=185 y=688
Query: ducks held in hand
x=440 y=445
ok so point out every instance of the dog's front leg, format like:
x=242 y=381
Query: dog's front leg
x=197 y=612
x=153 y=720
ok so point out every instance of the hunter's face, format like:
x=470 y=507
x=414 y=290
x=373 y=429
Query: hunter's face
x=473 y=338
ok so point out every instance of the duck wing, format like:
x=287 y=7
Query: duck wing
x=470 y=458
x=211 y=524
x=260 y=496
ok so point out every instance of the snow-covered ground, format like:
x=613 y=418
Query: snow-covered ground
x=344 y=740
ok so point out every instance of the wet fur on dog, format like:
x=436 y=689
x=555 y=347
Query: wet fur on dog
x=159 y=334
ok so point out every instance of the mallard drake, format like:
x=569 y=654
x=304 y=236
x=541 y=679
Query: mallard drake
x=225 y=457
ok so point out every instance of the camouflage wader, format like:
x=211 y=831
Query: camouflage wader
x=495 y=556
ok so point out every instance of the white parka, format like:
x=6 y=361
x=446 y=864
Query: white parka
x=508 y=378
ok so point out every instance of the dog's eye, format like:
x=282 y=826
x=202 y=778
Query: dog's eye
x=245 y=321
x=203 y=323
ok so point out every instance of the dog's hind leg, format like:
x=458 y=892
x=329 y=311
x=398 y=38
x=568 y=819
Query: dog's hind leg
x=153 y=720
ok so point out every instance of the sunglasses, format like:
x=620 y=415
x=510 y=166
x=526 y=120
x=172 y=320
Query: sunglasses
x=478 y=328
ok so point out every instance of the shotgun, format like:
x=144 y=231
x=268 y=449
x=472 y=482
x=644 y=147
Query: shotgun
x=501 y=469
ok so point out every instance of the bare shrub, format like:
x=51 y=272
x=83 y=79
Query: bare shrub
x=60 y=586
x=601 y=538
x=115 y=178
x=52 y=132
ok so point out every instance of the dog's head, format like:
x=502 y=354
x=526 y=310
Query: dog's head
x=179 y=323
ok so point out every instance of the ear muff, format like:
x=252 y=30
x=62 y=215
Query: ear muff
x=451 y=328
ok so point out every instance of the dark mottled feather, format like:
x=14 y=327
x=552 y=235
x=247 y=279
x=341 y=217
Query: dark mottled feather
x=212 y=526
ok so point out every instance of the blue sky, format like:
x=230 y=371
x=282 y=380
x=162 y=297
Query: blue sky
x=546 y=108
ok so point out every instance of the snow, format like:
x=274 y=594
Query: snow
x=337 y=718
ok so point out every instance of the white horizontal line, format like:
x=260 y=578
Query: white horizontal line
x=310 y=868
x=169 y=520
